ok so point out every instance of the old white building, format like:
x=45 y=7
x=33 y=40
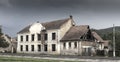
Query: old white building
x=56 y=37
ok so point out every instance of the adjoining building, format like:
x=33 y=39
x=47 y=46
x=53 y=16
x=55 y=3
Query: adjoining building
x=11 y=44
x=57 y=37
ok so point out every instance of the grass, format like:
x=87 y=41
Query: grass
x=18 y=59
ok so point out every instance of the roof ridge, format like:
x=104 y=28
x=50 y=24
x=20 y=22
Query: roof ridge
x=55 y=20
x=48 y=25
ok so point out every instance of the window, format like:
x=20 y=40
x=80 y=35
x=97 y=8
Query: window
x=69 y=44
x=21 y=38
x=64 y=45
x=45 y=37
x=32 y=46
x=33 y=37
x=75 y=44
x=39 y=36
x=26 y=47
x=21 y=47
x=39 y=47
x=27 y=38
x=45 y=47
x=53 y=36
x=53 y=47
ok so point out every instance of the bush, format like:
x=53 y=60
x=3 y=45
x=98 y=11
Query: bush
x=100 y=52
x=117 y=53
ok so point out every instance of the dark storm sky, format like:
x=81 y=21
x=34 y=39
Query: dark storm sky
x=16 y=14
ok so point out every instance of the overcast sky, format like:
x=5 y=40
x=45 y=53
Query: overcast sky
x=99 y=14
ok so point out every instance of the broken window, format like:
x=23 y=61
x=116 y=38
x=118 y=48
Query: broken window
x=39 y=47
x=45 y=37
x=26 y=47
x=39 y=37
x=75 y=44
x=21 y=47
x=53 y=36
x=53 y=47
x=21 y=37
x=64 y=45
x=89 y=36
x=69 y=44
x=33 y=37
x=32 y=47
x=27 y=37
x=45 y=47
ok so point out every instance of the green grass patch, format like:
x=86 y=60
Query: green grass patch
x=18 y=59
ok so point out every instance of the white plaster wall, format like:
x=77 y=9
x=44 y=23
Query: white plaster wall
x=56 y=41
x=36 y=42
x=72 y=50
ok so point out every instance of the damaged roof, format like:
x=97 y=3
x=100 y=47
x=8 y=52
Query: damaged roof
x=48 y=25
x=75 y=32
x=96 y=36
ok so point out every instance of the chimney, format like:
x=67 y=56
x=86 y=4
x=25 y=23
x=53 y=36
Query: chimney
x=71 y=16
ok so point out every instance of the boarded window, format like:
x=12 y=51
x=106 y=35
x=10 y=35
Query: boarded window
x=32 y=47
x=53 y=36
x=32 y=37
x=75 y=44
x=45 y=47
x=39 y=37
x=64 y=45
x=21 y=47
x=27 y=37
x=53 y=47
x=69 y=44
x=21 y=37
x=39 y=47
x=26 y=47
x=45 y=37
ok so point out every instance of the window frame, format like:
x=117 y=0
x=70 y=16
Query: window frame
x=69 y=44
x=21 y=38
x=21 y=47
x=38 y=37
x=64 y=45
x=32 y=37
x=32 y=47
x=45 y=47
x=75 y=44
x=53 y=47
x=27 y=37
x=53 y=36
x=39 y=47
x=27 y=48
x=45 y=36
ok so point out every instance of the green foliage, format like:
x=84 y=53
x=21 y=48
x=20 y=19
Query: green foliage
x=107 y=34
x=20 y=59
x=2 y=41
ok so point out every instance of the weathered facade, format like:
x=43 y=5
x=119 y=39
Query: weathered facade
x=56 y=37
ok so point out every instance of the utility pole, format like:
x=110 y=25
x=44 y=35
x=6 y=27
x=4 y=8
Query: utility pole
x=114 y=41
x=1 y=28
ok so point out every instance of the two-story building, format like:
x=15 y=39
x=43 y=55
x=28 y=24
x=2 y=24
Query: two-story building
x=56 y=37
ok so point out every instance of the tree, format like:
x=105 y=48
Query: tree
x=109 y=36
x=2 y=41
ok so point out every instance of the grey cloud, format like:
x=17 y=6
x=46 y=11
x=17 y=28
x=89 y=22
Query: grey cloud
x=22 y=12
x=5 y=3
